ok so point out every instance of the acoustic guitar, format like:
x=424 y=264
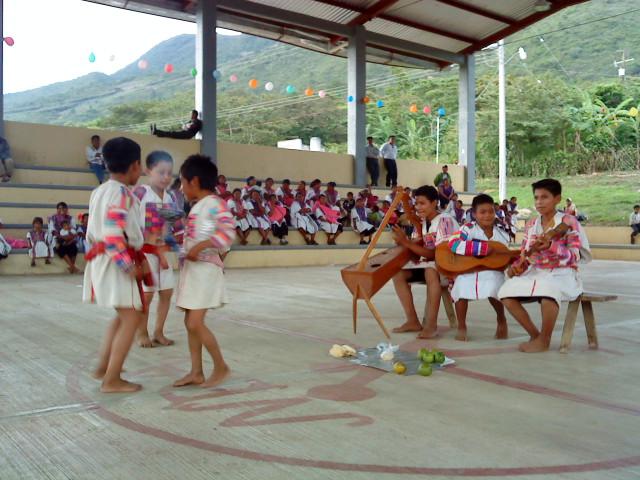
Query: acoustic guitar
x=451 y=264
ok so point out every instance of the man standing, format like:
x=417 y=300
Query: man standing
x=373 y=164
x=189 y=130
x=389 y=152
x=441 y=176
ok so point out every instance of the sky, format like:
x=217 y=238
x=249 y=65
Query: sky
x=54 y=39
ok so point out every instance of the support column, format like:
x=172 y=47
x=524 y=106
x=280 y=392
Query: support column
x=467 y=120
x=206 y=84
x=1 y=69
x=357 y=113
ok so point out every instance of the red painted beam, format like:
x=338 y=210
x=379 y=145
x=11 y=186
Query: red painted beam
x=368 y=14
x=478 y=11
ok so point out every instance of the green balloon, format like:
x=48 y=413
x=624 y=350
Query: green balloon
x=194 y=72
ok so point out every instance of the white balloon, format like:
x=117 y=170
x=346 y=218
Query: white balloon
x=112 y=58
x=268 y=86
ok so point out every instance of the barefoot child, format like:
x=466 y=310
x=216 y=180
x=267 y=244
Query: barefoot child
x=38 y=243
x=158 y=207
x=553 y=274
x=111 y=277
x=442 y=226
x=209 y=232
x=472 y=239
x=240 y=220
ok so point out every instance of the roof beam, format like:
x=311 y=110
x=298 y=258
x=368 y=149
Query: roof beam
x=368 y=14
x=478 y=11
x=425 y=52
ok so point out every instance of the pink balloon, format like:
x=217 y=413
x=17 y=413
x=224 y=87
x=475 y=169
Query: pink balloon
x=426 y=110
x=233 y=78
x=9 y=41
x=168 y=68
x=142 y=64
x=322 y=94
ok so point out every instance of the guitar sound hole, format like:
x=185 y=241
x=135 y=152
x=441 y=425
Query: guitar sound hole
x=376 y=265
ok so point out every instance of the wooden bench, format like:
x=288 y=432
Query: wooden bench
x=589 y=320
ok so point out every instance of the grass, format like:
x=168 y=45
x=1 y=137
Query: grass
x=606 y=198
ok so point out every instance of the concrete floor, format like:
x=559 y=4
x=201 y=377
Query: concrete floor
x=291 y=411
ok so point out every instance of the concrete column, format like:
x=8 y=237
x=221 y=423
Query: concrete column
x=206 y=85
x=357 y=113
x=1 y=69
x=467 y=120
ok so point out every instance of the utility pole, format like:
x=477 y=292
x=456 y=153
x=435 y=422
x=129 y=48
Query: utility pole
x=623 y=63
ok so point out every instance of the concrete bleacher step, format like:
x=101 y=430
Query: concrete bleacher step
x=25 y=174
x=34 y=193
x=21 y=213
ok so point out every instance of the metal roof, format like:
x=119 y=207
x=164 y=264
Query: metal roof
x=414 y=33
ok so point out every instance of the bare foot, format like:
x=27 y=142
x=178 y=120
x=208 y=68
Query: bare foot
x=143 y=340
x=162 y=340
x=462 y=335
x=536 y=345
x=408 y=326
x=428 y=333
x=190 y=379
x=219 y=375
x=99 y=372
x=119 y=386
x=502 y=332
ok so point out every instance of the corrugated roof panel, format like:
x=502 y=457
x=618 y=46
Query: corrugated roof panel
x=312 y=8
x=418 y=36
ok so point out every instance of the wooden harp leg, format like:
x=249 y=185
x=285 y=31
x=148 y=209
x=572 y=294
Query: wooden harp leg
x=375 y=314
x=448 y=307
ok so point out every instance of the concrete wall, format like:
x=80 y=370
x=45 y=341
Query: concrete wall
x=51 y=145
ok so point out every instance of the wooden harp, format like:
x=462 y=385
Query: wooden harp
x=365 y=278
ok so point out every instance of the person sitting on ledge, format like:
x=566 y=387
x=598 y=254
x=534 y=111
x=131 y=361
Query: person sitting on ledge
x=189 y=130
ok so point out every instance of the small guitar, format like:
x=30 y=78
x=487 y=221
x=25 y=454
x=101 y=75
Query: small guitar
x=451 y=264
x=521 y=265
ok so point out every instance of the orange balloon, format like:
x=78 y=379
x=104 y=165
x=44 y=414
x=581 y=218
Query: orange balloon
x=308 y=92
x=253 y=83
x=413 y=108
x=366 y=100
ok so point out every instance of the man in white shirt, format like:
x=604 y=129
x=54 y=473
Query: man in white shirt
x=373 y=164
x=634 y=223
x=94 y=158
x=389 y=152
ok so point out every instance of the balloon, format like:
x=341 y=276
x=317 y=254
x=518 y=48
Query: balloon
x=426 y=110
x=168 y=68
x=92 y=57
x=194 y=72
x=413 y=108
x=142 y=64
x=322 y=94
x=350 y=98
x=217 y=75
x=308 y=92
x=290 y=89
x=112 y=58
x=268 y=86
x=380 y=104
x=366 y=100
x=253 y=83
x=9 y=41
x=633 y=111
x=441 y=111
x=233 y=78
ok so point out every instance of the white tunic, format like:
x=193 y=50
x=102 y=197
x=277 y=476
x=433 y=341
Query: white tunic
x=202 y=282
x=327 y=226
x=242 y=223
x=302 y=220
x=359 y=224
x=478 y=285
x=113 y=212
x=257 y=221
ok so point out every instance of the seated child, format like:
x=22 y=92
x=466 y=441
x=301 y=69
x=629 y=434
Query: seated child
x=277 y=217
x=394 y=220
x=347 y=206
x=66 y=246
x=258 y=216
x=222 y=188
x=302 y=220
x=332 y=195
x=313 y=195
x=552 y=275
x=458 y=212
x=361 y=224
x=83 y=245
x=472 y=239
x=285 y=195
x=441 y=227
x=249 y=187
x=239 y=212
x=38 y=242
x=55 y=223
x=374 y=216
x=634 y=223
x=328 y=217
x=209 y=233
x=451 y=205
x=268 y=189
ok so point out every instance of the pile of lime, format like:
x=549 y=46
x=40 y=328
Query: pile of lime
x=428 y=357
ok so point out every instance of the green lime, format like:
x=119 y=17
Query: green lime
x=440 y=358
x=425 y=370
x=399 y=367
x=428 y=358
x=422 y=352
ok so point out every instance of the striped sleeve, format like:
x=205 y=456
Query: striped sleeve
x=461 y=244
x=114 y=227
x=224 y=231
x=564 y=251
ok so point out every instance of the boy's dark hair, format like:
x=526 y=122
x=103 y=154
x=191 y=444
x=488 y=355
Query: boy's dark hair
x=84 y=215
x=386 y=201
x=268 y=178
x=375 y=208
x=61 y=204
x=391 y=136
x=286 y=180
x=194 y=111
x=636 y=206
x=37 y=220
x=93 y=137
x=259 y=183
x=550 y=185
x=302 y=181
x=349 y=193
x=333 y=184
x=369 y=138
x=65 y=221
x=202 y=167
x=273 y=195
x=426 y=191
x=250 y=178
x=156 y=157
x=460 y=202
x=299 y=193
x=481 y=200
x=120 y=153
x=236 y=190
x=222 y=175
x=513 y=198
